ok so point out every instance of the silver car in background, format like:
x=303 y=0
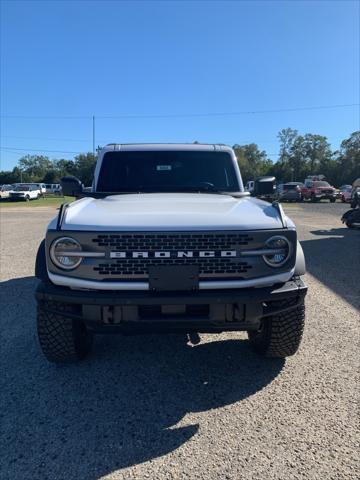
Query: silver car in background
x=290 y=192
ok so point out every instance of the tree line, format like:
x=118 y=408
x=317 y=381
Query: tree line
x=303 y=155
x=299 y=156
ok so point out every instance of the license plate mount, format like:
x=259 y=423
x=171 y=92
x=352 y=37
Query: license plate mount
x=164 y=278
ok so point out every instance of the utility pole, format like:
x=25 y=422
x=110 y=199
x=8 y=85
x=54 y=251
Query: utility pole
x=93 y=128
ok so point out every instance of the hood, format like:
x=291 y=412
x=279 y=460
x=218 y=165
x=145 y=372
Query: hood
x=325 y=188
x=170 y=211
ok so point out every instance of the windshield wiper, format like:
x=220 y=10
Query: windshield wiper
x=210 y=189
x=142 y=190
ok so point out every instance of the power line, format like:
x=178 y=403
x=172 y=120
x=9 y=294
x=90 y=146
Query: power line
x=181 y=115
x=36 y=150
x=50 y=117
x=45 y=138
x=103 y=141
x=223 y=114
x=15 y=149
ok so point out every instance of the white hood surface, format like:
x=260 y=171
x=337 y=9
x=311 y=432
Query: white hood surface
x=170 y=212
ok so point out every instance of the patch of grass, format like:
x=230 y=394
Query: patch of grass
x=54 y=201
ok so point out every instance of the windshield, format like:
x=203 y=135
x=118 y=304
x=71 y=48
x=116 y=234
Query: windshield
x=167 y=171
x=321 y=184
x=23 y=188
x=290 y=186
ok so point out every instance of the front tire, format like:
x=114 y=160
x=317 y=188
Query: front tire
x=280 y=336
x=332 y=200
x=62 y=338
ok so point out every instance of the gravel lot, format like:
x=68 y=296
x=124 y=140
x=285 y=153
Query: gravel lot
x=157 y=408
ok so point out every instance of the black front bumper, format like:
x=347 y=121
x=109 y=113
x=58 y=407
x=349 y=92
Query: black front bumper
x=326 y=196
x=146 y=311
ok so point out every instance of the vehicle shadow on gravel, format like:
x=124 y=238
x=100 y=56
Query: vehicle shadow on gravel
x=333 y=258
x=119 y=407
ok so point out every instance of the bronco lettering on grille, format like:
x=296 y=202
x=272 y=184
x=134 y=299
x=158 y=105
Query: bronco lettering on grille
x=176 y=254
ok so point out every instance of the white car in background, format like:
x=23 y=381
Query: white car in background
x=53 y=188
x=26 y=192
x=40 y=186
x=5 y=190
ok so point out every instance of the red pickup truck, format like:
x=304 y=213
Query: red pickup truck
x=316 y=190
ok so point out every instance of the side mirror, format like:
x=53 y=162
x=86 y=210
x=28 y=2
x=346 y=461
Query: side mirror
x=264 y=186
x=71 y=186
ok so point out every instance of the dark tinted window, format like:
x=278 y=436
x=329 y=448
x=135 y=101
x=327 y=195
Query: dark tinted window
x=167 y=171
x=290 y=186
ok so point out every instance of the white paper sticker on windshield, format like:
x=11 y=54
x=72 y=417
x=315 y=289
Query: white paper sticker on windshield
x=162 y=168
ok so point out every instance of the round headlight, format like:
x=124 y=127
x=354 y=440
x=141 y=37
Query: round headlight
x=63 y=253
x=279 y=251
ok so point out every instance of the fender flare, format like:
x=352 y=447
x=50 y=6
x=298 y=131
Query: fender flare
x=40 y=264
x=300 y=265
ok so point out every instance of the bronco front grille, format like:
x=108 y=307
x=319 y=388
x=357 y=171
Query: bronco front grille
x=140 y=267
x=219 y=255
x=172 y=241
x=209 y=267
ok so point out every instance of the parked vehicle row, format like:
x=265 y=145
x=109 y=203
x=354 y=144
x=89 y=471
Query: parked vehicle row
x=28 y=191
x=314 y=189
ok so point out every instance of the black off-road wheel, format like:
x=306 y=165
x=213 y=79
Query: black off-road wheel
x=332 y=200
x=62 y=338
x=280 y=336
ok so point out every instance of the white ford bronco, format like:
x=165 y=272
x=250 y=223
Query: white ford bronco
x=168 y=241
x=26 y=191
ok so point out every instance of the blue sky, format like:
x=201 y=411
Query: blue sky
x=83 y=58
